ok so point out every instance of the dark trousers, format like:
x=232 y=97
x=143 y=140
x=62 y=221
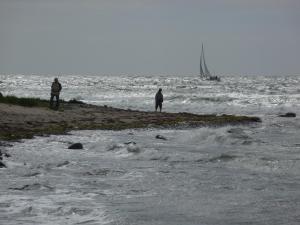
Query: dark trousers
x=57 y=101
x=158 y=104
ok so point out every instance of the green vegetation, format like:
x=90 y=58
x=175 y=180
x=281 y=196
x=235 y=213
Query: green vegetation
x=27 y=102
x=31 y=102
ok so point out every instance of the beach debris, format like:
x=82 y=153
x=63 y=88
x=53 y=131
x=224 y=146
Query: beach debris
x=160 y=137
x=76 y=146
x=288 y=114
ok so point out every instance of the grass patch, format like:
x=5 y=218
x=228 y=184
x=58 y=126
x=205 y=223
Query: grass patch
x=27 y=102
x=32 y=102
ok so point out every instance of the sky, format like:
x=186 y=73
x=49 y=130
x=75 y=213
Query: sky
x=149 y=36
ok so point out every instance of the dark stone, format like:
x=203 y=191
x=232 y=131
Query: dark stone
x=74 y=101
x=76 y=146
x=2 y=165
x=160 y=137
x=288 y=114
x=256 y=119
x=129 y=142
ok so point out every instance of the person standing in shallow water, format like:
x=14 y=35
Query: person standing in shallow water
x=159 y=98
x=55 y=91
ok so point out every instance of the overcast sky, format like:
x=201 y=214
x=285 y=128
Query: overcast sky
x=149 y=36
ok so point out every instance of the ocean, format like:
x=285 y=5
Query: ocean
x=230 y=175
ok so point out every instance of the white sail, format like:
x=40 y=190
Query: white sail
x=201 y=69
x=205 y=73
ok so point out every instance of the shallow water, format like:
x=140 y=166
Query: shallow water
x=227 y=175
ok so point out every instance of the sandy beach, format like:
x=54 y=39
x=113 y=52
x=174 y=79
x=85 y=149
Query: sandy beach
x=24 y=122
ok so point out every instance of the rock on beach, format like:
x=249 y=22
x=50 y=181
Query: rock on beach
x=2 y=165
x=288 y=114
x=76 y=146
x=160 y=137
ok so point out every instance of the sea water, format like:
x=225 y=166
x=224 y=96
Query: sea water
x=209 y=175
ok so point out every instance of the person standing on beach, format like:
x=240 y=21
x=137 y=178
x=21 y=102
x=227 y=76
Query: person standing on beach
x=159 y=98
x=55 y=91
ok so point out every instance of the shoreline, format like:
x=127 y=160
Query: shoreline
x=18 y=122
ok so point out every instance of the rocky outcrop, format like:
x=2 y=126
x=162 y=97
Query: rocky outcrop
x=130 y=142
x=75 y=101
x=76 y=146
x=160 y=137
x=2 y=165
x=288 y=114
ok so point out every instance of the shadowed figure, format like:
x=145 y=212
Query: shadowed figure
x=159 y=98
x=55 y=91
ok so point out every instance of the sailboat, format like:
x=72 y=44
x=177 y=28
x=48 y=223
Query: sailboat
x=205 y=74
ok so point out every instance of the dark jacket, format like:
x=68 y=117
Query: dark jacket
x=159 y=98
x=55 y=88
